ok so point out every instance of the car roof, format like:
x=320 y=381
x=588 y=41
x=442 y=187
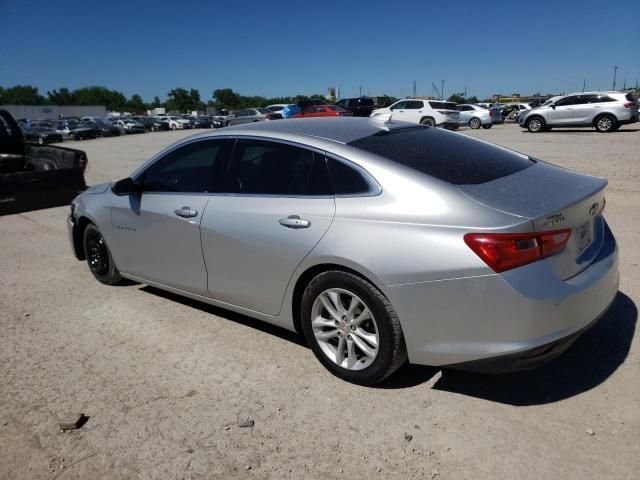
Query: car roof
x=339 y=129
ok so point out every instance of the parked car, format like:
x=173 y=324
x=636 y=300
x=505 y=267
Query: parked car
x=475 y=116
x=435 y=113
x=379 y=241
x=41 y=134
x=309 y=102
x=82 y=130
x=359 y=107
x=131 y=126
x=147 y=122
x=105 y=128
x=324 y=111
x=604 y=111
x=202 y=121
x=249 y=115
x=512 y=110
x=276 y=107
x=177 y=123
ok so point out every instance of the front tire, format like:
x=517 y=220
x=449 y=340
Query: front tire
x=605 y=124
x=535 y=125
x=352 y=328
x=99 y=257
x=475 y=123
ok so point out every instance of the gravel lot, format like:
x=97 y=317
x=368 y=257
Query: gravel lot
x=166 y=381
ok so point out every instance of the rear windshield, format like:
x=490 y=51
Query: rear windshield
x=443 y=105
x=453 y=158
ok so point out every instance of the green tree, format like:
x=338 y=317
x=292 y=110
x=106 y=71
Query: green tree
x=472 y=99
x=21 y=95
x=111 y=99
x=179 y=99
x=156 y=102
x=456 y=98
x=136 y=104
x=226 y=98
x=61 y=97
x=196 y=103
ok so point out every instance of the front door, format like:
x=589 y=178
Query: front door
x=563 y=113
x=157 y=233
x=277 y=205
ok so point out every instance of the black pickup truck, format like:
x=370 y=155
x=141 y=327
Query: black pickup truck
x=36 y=176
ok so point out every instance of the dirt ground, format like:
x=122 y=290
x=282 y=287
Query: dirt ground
x=166 y=381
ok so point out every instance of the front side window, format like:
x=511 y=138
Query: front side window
x=398 y=106
x=194 y=168
x=564 y=102
x=269 y=168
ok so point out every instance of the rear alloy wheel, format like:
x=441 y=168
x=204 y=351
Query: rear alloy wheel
x=475 y=123
x=428 y=121
x=352 y=328
x=535 y=125
x=99 y=257
x=605 y=124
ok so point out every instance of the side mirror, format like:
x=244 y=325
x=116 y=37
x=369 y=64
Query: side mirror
x=553 y=106
x=126 y=186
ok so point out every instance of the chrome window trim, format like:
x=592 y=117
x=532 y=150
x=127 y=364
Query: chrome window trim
x=374 y=187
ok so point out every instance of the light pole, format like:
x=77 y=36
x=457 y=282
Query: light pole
x=615 y=72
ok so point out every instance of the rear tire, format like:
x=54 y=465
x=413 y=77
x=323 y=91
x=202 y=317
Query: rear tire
x=605 y=123
x=378 y=332
x=487 y=127
x=535 y=125
x=475 y=123
x=430 y=122
x=99 y=256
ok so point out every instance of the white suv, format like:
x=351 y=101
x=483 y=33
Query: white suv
x=605 y=111
x=436 y=113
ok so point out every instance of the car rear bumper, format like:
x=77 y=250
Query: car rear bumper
x=449 y=125
x=522 y=313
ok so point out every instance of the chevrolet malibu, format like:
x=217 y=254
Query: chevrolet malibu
x=381 y=241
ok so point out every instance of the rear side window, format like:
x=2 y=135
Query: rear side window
x=366 y=102
x=270 y=168
x=455 y=159
x=346 y=180
x=443 y=105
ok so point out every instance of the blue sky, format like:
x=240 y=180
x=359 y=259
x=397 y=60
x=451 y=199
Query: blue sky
x=287 y=47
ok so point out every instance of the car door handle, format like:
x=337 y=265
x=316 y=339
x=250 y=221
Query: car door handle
x=294 y=221
x=186 y=212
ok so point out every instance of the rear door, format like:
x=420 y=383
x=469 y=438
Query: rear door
x=276 y=206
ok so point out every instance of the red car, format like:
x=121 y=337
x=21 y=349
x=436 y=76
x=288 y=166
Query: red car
x=324 y=111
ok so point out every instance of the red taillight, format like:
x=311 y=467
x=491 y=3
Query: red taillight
x=268 y=116
x=630 y=105
x=504 y=251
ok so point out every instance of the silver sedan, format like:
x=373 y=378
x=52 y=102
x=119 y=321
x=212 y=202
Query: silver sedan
x=381 y=241
x=475 y=116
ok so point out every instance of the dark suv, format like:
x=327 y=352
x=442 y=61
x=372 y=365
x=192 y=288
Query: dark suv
x=360 y=107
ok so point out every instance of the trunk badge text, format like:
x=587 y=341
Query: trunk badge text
x=554 y=219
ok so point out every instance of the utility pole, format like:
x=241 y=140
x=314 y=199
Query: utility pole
x=360 y=91
x=624 y=87
x=465 y=92
x=414 y=89
x=584 y=84
x=442 y=91
x=615 y=72
x=401 y=93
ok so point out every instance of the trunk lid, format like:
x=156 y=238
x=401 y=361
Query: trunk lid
x=553 y=198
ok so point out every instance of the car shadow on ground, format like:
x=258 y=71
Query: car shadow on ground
x=593 y=358
x=229 y=315
x=582 y=130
